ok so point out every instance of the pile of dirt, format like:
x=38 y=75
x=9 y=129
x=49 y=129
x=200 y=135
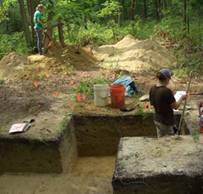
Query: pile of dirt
x=58 y=60
x=11 y=63
x=134 y=55
x=81 y=59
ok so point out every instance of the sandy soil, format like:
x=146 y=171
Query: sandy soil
x=91 y=175
x=95 y=166
x=134 y=55
x=52 y=184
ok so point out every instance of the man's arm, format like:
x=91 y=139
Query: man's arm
x=176 y=104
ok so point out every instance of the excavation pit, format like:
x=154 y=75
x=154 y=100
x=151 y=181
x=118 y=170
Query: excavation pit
x=74 y=141
x=99 y=135
x=159 y=166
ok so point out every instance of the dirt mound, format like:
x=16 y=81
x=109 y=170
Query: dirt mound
x=58 y=60
x=134 y=55
x=11 y=63
x=79 y=58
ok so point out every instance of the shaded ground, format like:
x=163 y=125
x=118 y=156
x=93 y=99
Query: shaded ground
x=52 y=184
x=18 y=103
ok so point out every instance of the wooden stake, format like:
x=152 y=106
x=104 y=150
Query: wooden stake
x=184 y=107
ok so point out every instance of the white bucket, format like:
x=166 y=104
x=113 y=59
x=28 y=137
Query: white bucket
x=101 y=94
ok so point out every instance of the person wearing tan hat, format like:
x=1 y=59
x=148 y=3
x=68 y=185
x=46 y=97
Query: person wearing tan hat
x=163 y=101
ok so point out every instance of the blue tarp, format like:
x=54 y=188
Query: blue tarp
x=129 y=84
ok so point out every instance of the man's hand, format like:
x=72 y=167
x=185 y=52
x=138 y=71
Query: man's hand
x=184 y=97
x=177 y=104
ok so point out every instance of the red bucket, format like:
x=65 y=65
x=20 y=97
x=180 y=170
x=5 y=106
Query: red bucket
x=201 y=123
x=201 y=129
x=117 y=95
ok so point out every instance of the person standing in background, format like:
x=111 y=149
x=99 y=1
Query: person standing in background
x=38 y=26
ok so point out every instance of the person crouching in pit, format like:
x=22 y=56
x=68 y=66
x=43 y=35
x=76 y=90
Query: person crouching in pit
x=163 y=101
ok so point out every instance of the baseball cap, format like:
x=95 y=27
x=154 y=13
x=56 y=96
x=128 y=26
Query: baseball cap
x=166 y=72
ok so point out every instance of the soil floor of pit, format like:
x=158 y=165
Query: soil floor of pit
x=91 y=175
x=95 y=166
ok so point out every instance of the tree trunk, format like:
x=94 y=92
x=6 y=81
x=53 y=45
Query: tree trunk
x=199 y=25
x=31 y=11
x=165 y=4
x=48 y=40
x=157 y=9
x=25 y=22
x=145 y=9
x=185 y=12
x=122 y=12
x=48 y=32
x=160 y=8
x=186 y=18
x=132 y=11
x=61 y=34
x=119 y=19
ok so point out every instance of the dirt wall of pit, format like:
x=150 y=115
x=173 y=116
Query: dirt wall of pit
x=21 y=155
x=100 y=135
x=162 y=185
x=167 y=165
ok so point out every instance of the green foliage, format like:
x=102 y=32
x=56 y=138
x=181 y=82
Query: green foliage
x=110 y=8
x=4 y=6
x=196 y=136
x=2 y=82
x=172 y=25
x=142 y=29
x=98 y=34
x=87 y=87
x=15 y=42
x=188 y=65
x=92 y=34
x=140 y=110
x=99 y=22
x=12 y=22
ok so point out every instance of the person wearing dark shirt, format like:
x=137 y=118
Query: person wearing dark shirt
x=163 y=101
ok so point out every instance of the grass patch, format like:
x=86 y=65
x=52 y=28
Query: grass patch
x=12 y=43
x=87 y=87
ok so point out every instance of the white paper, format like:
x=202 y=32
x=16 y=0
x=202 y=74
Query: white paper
x=18 y=128
x=179 y=94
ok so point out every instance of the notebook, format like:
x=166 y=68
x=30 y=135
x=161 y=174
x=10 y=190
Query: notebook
x=19 y=127
x=179 y=94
